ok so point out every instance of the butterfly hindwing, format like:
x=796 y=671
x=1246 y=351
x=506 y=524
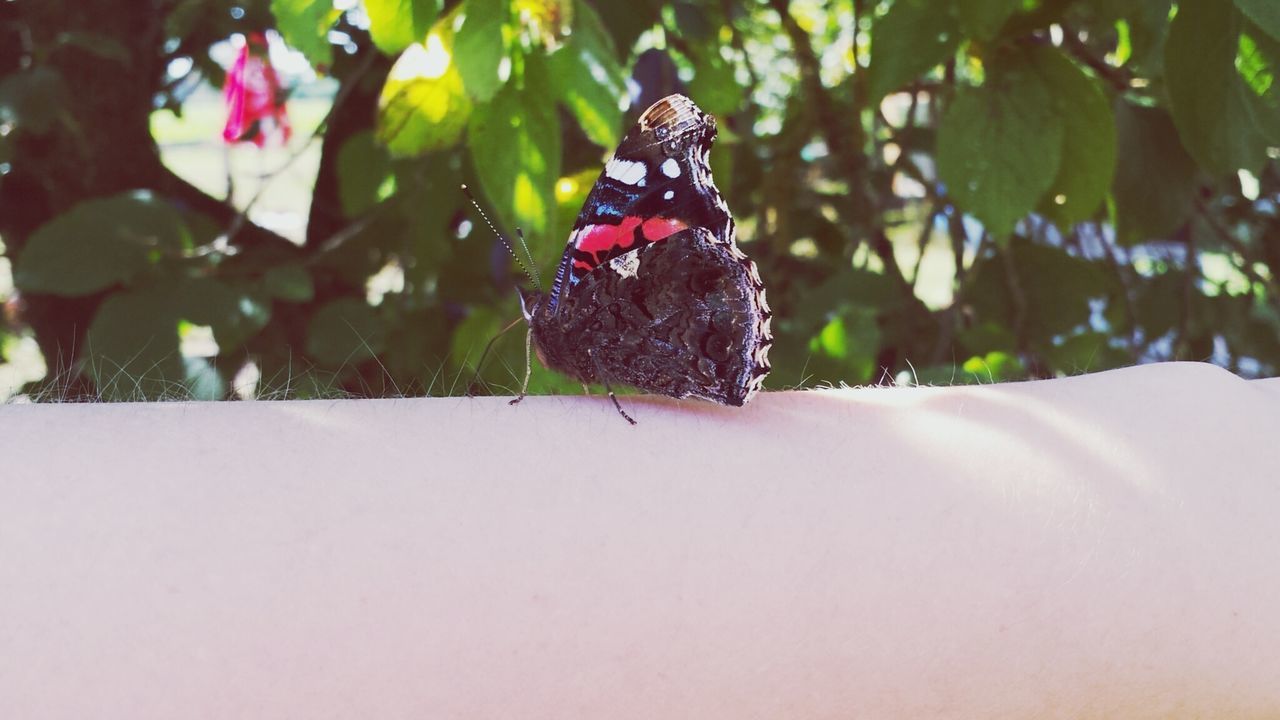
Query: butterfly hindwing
x=684 y=317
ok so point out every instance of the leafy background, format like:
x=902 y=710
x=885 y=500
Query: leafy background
x=936 y=191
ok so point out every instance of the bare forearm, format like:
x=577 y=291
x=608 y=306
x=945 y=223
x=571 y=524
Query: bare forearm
x=1095 y=547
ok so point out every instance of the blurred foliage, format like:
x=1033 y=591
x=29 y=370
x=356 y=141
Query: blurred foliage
x=936 y=191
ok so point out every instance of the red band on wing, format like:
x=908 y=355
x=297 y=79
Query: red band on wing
x=602 y=241
x=598 y=240
x=655 y=229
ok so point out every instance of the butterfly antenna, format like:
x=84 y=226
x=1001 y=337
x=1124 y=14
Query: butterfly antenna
x=533 y=263
x=475 y=203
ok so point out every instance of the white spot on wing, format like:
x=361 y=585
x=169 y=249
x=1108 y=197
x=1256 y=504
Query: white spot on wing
x=671 y=168
x=627 y=266
x=627 y=172
x=668 y=194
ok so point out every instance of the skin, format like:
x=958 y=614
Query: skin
x=1096 y=547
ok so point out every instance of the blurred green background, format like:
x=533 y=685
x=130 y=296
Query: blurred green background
x=936 y=191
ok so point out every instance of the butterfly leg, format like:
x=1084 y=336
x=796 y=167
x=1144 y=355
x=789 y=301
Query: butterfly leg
x=600 y=374
x=528 y=366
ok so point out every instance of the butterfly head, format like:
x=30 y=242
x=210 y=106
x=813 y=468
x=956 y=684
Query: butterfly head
x=530 y=302
x=670 y=127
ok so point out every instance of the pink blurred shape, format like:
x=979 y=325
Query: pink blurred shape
x=256 y=110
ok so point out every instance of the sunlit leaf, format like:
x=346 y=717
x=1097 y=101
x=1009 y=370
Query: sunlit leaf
x=912 y=38
x=845 y=348
x=587 y=78
x=397 y=24
x=515 y=145
x=479 y=47
x=99 y=243
x=424 y=106
x=305 y=24
x=1000 y=147
x=1259 y=66
x=995 y=367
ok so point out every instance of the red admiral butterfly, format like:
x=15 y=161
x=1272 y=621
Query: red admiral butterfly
x=652 y=290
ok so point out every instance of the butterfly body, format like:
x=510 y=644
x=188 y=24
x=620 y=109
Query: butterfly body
x=652 y=290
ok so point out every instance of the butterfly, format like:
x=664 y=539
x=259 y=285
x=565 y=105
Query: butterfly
x=652 y=290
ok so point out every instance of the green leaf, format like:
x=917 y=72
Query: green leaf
x=995 y=367
x=982 y=19
x=914 y=37
x=479 y=47
x=132 y=346
x=291 y=283
x=626 y=21
x=1086 y=352
x=1159 y=301
x=1148 y=24
x=986 y=338
x=1265 y=13
x=1155 y=177
x=1209 y=99
x=102 y=46
x=845 y=348
x=345 y=332
x=1089 y=146
x=1000 y=147
x=397 y=24
x=234 y=313
x=32 y=99
x=588 y=79
x=515 y=146
x=714 y=86
x=1056 y=289
x=185 y=17
x=99 y=243
x=305 y=24
x=469 y=338
x=363 y=166
x=424 y=106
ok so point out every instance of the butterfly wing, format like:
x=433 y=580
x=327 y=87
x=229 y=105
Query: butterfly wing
x=657 y=183
x=684 y=317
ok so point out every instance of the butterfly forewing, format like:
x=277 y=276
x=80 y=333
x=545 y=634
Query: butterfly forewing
x=657 y=183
